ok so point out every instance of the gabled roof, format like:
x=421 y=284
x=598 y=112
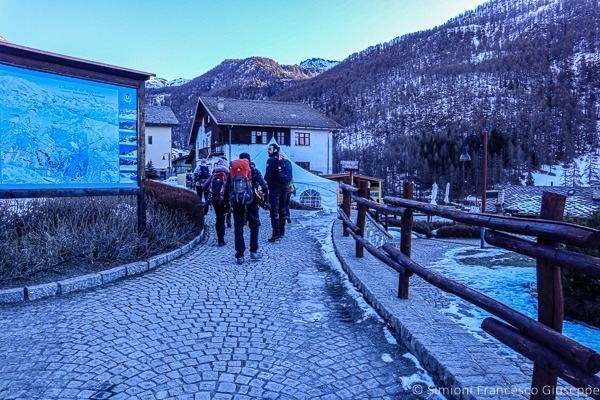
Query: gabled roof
x=267 y=113
x=160 y=115
x=528 y=199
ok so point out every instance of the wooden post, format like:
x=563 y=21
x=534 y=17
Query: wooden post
x=550 y=297
x=362 y=214
x=406 y=223
x=346 y=202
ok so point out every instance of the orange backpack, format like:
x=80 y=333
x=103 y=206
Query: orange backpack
x=241 y=182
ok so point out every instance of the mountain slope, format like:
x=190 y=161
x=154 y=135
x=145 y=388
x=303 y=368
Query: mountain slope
x=251 y=78
x=527 y=69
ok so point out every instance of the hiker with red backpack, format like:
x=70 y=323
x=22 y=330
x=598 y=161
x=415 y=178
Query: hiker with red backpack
x=242 y=186
x=216 y=194
x=278 y=177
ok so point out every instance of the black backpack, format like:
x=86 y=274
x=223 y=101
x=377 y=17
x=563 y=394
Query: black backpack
x=204 y=172
x=217 y=187
x=284 y=175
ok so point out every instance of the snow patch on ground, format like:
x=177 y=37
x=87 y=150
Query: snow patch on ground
x=420 y=378
x=505 y=283
x=389 y=337
x=321 y=223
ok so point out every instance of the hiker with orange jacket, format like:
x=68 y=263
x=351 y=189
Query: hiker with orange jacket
x=244 y=178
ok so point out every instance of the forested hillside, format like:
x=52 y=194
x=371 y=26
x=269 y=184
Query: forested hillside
x=527 y=71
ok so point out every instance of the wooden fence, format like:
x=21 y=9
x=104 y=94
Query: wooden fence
x=554 y=355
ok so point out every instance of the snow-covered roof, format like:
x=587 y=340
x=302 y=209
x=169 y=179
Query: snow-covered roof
x=528 y=199
x=267 y=113
x=160 y=115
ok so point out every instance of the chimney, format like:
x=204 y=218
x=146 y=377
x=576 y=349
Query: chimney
x=220 y=103
x=595 y=190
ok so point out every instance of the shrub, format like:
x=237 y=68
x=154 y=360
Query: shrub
x=42 y=234
x=175 y=198
x=426 y=228
x=581 y=292
x=459 y=231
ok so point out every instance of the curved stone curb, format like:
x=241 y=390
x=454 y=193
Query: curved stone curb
x=36 y=292
x=464 y=365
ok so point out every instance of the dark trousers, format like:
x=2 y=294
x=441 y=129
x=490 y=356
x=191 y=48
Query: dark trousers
x=242 y=213
x=220 y=211
x=278 y=212
x=199 y=193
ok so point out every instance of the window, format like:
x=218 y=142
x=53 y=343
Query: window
x=311 y=198
x=302 y=139
x=281 y=138
x=259 y=137
x=304 y=164
x=149 y=139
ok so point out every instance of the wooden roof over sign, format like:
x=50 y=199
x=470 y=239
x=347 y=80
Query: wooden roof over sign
x=340 y=177
x=9 y=50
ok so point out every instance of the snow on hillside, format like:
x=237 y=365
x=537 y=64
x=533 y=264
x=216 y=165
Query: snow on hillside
x=580 y=172
x=178 y=82
x=157 y=83
x=319 y=63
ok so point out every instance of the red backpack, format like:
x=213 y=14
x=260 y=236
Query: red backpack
x=241 y=182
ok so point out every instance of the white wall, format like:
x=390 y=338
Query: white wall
x=319 y=154
x=161 y=144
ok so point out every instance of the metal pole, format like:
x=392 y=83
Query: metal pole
x=484 y=182
x=230 y=127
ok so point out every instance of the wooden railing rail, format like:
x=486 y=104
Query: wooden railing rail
x=575 y=352
x=552 y=230
x=585 y=264
x=554 y=355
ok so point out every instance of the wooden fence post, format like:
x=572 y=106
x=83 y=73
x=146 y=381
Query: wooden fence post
x=362 y=214
x=406 y=223
x=550 y=297
x=346 y=202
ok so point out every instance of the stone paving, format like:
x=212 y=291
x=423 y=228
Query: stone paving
x=202 y=327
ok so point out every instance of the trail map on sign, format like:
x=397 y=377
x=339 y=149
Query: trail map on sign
x=62 y=132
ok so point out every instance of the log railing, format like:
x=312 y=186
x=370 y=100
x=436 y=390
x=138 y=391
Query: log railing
x=554 y=355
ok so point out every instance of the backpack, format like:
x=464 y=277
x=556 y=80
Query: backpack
x=217 y=187
x=285 y=171
x=241 y=182
x=204 y=172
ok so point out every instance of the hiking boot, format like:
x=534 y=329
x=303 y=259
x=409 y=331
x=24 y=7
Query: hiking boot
x=288 y=219
x=220 y=244
x=239 y=261
x=255 y=256
x=282 y=235
x=274 y=239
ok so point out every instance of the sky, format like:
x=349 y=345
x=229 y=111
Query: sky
x=186 y=38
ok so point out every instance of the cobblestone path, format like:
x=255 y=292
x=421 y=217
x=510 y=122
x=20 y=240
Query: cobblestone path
x=202 y=327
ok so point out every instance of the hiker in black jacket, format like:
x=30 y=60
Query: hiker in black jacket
x=277 y=194
x=248 y=212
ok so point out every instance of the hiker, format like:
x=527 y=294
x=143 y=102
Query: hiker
x=216 y=194
x=201 y=175
x=242 y=185
x=291 y=190
x=278 y=176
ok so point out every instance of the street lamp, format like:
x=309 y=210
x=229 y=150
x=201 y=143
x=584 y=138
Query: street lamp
x=168 y=157
x=465 y=157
